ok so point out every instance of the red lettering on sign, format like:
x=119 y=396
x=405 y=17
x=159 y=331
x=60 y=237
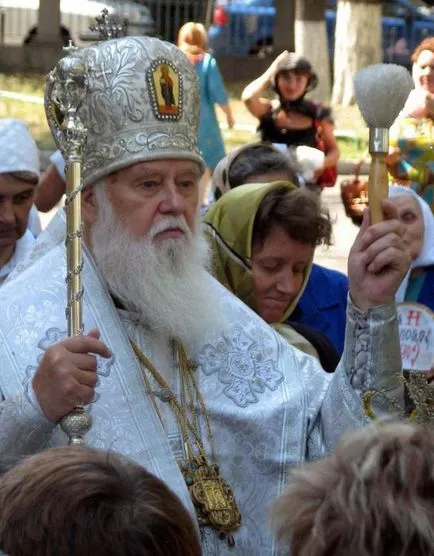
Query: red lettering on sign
x=410 y=353
x=413 y=317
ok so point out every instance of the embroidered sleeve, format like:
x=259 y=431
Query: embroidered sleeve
x=372 y=359
x=23 y=429
x=366 y=384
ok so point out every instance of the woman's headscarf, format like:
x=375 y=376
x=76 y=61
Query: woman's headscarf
x=229 y=227
x=426 y=254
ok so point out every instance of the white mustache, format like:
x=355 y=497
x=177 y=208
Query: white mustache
x=168 y=222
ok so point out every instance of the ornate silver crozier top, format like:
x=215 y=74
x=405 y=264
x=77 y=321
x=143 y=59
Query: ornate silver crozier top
x=67 y=87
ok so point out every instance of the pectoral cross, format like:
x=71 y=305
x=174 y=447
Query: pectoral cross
x=108 y=27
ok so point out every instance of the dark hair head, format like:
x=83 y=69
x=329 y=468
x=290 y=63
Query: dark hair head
x=74 y=501
x=296 y=64
x=426 y=44
x=259 y=159
x=298 y=212
x=373 y=497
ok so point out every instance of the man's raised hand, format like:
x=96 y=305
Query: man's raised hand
x=378 y=260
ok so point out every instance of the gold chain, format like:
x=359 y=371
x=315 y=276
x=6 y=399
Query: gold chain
x=186 y=369
x=212 y=496
x=180 y=410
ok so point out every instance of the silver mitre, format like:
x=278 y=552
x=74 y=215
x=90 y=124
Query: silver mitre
x=142 y=103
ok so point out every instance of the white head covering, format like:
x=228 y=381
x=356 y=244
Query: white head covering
x=426 y=254
x=18 y=151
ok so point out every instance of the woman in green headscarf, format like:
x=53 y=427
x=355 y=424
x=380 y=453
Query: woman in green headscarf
x=263 y=238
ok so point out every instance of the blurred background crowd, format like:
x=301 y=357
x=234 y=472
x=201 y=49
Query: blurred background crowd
x=241 y=39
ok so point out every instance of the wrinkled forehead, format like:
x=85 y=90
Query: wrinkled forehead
x=170 y=168
x=406 y=202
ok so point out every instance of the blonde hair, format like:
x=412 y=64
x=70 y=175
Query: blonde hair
x=193 y=39
x=373 y=497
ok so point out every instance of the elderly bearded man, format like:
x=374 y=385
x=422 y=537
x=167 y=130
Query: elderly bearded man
x=176 y=371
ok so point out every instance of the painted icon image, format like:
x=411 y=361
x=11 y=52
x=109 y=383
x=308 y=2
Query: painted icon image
x=166 y=90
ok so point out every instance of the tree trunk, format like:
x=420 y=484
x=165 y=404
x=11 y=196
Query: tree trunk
x=357 y=44
x=311 y=42
x=284 y=26
x=49 y=23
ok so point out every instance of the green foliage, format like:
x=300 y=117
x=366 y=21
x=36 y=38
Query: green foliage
x=29 y=84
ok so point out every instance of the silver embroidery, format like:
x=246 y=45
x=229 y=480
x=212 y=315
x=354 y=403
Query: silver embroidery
x=52 y=336
x=241 y=366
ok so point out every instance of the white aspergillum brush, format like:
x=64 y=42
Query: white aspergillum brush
x=381 y=91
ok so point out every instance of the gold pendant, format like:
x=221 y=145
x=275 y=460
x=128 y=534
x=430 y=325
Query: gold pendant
x=214 y=499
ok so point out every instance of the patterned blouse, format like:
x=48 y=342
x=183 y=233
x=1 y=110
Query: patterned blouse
x=414 y=137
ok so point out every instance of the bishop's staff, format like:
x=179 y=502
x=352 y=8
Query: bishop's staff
x=65 y=92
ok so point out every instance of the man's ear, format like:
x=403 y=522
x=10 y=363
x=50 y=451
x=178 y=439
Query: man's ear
x=89 y=206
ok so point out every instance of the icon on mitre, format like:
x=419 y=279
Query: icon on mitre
x=166 y=88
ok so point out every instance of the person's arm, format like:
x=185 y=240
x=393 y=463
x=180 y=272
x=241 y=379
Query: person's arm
x=216 y=89
x=50 y=189
x=24 y=429
x=330 y=143
x=228 y=113
x=252 y=94
x=66 y=376
x=367 y=383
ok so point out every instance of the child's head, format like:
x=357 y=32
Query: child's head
x=75 y=501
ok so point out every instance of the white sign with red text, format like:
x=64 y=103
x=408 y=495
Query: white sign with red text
x=416 y=335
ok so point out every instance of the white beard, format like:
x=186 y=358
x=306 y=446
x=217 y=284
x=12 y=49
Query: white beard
x=167 y=285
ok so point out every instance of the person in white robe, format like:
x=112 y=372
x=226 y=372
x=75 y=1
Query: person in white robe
x=177 y=373
x=19 y=174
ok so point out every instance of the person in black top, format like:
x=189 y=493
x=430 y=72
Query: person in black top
x=294 y=121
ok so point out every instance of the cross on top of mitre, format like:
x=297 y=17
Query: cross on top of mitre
x=108 y=26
